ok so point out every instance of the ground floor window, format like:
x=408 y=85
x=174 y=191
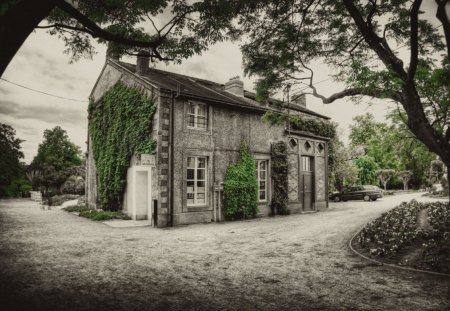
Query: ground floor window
x=196 y=181
x=262 y=180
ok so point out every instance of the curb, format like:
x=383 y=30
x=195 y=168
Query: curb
x=388 y=264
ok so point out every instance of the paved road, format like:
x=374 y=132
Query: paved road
x=52 y=260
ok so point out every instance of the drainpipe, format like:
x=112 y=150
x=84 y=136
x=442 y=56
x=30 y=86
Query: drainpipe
x=170 y=210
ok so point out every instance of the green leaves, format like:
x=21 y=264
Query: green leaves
x=241 y=187
x=279 y=204
x=119 y=126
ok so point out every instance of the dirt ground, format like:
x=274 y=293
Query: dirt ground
x=53 y=260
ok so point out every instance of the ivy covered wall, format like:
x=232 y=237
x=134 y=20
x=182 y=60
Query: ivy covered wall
x=279 y=158
x=120 y=124
x=241 y=187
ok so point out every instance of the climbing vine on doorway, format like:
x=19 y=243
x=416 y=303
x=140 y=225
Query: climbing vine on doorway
x=119 y=126
x=279 y=161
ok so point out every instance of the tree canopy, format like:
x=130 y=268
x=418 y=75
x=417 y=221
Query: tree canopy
x=56 y=155
x=167 y=29
x=10 y=155
x=361 y=41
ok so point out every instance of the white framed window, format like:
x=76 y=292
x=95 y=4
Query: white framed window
x=306 y=164
x=262 y=166
x=196 y=181
x=197 y=116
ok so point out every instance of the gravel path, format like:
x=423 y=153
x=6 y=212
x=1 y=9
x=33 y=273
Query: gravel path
x=52 y=260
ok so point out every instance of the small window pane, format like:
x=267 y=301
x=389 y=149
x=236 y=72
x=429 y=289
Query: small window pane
x=201 y=201
x=200 y=196
x=191 y=108
x=262 y=185
x=190 y=173
x=262 y=175
x=201 y=162
x=200 y=174
x=262 y=195
x=190 y=196
x=202 y=110
x=191 y=162
x=262 y=165
x=191 y=121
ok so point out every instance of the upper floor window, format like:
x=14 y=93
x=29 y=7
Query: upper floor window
x=197 y=116
x=262 y=180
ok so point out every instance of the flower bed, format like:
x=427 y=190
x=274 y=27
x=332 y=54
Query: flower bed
x=398 y=232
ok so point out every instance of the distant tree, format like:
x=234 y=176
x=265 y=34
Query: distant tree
x=10 y=155
x=367 y=168
x=56 y=154
x=384 y=175
x=405 y=176
x=437 y=170
x=345 y=171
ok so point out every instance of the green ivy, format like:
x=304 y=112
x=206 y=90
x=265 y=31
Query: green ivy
x=313 y=126
x=279 y=158
x=119 y=126
x=241 y=187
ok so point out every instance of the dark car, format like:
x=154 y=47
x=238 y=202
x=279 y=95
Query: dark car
x=365 y=193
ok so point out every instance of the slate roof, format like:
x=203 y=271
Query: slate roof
x=204 y=89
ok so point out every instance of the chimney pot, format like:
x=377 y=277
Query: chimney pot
x=235 y=86
x=142 y=62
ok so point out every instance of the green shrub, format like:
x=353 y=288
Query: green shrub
x=99 y=215
x=119 y=126
x=76 y=208
x=241 y=187
x=393 y=230
x=437 y=247
x=279 y=204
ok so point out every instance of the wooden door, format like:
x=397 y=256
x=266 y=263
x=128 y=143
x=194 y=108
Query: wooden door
x=307 y=185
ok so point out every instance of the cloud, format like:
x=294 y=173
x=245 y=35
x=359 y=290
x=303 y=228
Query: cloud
x=53 y=115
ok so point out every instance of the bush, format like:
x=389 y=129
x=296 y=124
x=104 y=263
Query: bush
x=99 y=215
x=386 y=235
x=241 y=187
x=398 y=229
x=76 y=208
x=279 y=202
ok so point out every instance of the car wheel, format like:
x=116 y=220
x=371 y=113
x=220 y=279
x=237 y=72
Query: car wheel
x=366 y=198
x=337 y=198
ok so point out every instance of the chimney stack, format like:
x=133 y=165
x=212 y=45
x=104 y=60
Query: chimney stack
x=235 y=86
x=299 y=100
x=142 y=62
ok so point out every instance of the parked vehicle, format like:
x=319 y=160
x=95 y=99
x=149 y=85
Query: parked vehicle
x=366 y=193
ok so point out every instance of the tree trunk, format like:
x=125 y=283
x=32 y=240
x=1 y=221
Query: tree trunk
x=16 y=25
x=448 y=182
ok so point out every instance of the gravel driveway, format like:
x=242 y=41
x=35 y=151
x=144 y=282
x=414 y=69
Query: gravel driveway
x=53 y=260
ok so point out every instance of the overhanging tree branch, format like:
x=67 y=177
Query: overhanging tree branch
x=98 y=32
x=414 y=18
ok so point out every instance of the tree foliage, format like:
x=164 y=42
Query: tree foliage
x=384 y=175
x=167 y=29
x=355 y=38
x=120 y=126
x=56 y=154
x=241 y=187
x=367 y=170
x=10 y=156
x=279 y=160
x=405 y=176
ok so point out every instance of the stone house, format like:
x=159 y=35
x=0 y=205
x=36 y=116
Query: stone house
x=199 y=126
